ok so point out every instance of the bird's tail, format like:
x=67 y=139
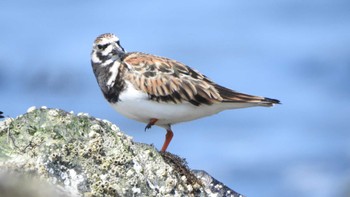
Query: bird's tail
x=231 y=96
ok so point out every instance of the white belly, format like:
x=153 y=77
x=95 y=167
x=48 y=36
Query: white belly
x=166 y=113
x=135 y=105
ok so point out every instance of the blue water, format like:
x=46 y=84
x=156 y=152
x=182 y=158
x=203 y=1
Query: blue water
x=295 y=51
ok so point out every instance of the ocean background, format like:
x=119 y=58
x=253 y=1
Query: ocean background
x=295 y=51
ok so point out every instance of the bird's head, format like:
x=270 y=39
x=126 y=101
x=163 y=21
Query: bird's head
x=106 y=47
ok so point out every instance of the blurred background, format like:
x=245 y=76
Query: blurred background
x=295 y=51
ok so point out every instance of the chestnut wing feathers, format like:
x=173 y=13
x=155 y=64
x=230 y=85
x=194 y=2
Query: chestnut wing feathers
x=167 y=80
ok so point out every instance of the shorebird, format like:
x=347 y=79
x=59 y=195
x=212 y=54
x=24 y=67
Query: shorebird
x=158 y=90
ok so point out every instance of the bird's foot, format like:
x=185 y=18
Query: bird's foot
x=151 y=123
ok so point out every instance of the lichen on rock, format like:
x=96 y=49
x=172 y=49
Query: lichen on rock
x=90 y=157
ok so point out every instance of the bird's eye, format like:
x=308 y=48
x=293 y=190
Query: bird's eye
x=102 y=46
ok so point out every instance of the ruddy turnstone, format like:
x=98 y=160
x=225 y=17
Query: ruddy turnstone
x=158 y=90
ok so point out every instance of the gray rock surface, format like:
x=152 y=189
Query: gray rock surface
x=78 y=155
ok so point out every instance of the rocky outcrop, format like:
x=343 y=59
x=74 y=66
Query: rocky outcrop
x=78 y=155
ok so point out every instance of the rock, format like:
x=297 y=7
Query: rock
x=17 y=185
x=79 y=155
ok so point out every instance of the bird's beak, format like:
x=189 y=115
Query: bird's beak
x=117 y=49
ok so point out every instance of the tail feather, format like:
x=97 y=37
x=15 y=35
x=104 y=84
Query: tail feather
x=236 y=97
x=272 y=101
x=268 y=102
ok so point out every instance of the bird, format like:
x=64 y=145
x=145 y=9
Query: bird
x=160 y=91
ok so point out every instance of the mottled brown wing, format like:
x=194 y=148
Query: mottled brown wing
x=167 y=80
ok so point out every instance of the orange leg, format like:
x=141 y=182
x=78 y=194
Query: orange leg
x=169 y=135
x=151 y=123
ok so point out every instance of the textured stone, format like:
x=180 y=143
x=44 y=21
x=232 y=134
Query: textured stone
x=86 y=156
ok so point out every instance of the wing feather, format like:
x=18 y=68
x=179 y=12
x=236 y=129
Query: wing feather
x=166 y=80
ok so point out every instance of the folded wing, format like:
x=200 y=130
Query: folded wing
x=166 y=80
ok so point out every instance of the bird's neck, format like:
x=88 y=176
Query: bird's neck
x=110 y=78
